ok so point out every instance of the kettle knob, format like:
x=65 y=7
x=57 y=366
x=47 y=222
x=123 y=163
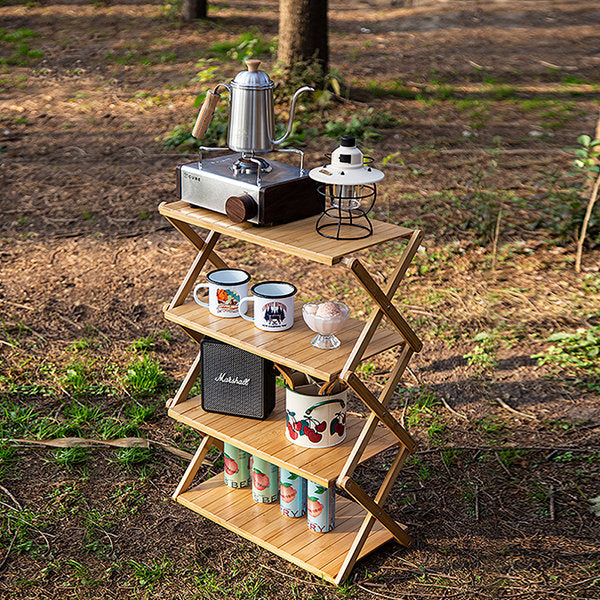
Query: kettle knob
x=241 y=208
x=252 y=64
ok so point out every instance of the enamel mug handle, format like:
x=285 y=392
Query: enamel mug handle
x=200 y=285
x=241 y=303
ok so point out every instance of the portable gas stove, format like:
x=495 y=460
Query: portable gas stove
x=246 y=187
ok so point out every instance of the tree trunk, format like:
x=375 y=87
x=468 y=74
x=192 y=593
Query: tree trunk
x=193 y=9
x=303 y=33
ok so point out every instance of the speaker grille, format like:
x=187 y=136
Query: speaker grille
x=236 y=382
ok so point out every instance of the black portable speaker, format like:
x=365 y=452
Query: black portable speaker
x=236 y=382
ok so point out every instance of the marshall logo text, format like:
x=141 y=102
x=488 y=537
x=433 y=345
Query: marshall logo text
x=224 y=378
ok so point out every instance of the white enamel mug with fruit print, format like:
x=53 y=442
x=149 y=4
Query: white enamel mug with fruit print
x=273 y=305
x=225 y=289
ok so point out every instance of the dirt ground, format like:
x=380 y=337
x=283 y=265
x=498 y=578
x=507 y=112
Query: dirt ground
x=485 y=99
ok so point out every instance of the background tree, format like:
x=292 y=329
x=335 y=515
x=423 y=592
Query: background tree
x=303 y=33
x=193 y=9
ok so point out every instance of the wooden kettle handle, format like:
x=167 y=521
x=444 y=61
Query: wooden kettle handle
x=205 y=115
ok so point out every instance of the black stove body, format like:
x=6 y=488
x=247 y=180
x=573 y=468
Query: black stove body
x=274 y=194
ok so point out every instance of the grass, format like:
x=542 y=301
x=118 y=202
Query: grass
x=7 y=459
x=575 y=354
x=147 y=575
x=423 y=413
x=483 y=356
x=145 y=377
x=71 y=457
x=81 y=379
x=490 y=426
x=131 y=457
x=17 y=49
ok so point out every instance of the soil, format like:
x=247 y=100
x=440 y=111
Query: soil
x=85 y=254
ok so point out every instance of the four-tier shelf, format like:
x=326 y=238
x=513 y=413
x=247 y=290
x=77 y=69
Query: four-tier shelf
x=362 y=524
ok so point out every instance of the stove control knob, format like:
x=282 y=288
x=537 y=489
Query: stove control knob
x=241 y=208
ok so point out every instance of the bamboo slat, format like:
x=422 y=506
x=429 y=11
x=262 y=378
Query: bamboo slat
x=291 y=539
x=267 y=439
x=291 y=348
x=298 y=238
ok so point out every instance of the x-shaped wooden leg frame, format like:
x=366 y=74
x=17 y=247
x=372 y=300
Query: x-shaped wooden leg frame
x=205 y=254
x=379 y=412
x=195 y=463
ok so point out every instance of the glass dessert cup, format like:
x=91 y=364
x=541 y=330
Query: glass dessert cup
x=325 y=319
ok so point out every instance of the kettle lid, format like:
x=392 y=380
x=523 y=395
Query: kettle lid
x=252 y=78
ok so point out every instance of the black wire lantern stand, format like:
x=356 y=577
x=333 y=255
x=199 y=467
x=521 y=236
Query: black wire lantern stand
x=344 y=214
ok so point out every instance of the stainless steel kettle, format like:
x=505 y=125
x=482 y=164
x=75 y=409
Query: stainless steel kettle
x=251 y=121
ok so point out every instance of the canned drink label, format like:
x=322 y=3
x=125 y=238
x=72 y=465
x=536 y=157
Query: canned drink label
x=265 y=481
x=292 y=494
x=237 y=467
x=320 y=505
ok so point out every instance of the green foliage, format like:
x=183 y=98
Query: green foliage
x=24 y=421
x=490 y=426
x=81 y=379
x=7 y=458
x=69 y=457
x=561 y=209
x=148 y=574
x=143 y=344
x=17 y=44
x=483 y=356
x=26 y=526
x=586 y=156
x=578 y=354
x=171 y=9
x=206 y=71
x=216 y=134
x=422 y=413
x=81 y=344
x=145 y=377
x=79 y=418
x=248 y=45
x=363 y=127
x=130 y=457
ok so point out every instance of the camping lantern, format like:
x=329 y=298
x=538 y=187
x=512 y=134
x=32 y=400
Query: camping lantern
x=348 y=187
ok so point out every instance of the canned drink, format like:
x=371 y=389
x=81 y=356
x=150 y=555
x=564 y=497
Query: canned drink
x=320 y=506
x=265 y=481
x=237 y=467
x=292 y=494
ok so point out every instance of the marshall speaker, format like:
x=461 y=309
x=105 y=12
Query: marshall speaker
x=236 y=382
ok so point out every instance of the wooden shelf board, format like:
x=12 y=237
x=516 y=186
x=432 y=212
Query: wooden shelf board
x=291 y=347
x=298 y=238
x=267 y=440
x=263 y=524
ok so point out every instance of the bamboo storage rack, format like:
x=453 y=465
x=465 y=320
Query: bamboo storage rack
x=362 y=524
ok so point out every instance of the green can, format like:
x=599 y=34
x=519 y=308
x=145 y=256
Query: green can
x=265 y=481
x=237 y=467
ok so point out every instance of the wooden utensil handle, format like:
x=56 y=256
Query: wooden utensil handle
x=207 y=110
x=286 y=373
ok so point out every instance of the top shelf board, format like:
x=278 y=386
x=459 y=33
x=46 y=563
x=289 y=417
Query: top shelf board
x=298 y=238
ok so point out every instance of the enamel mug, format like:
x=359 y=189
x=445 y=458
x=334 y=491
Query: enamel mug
x=225 y=289
x=292 y=494
x=273 y=305
x=237 y=466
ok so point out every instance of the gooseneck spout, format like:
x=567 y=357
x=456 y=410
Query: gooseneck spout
x=306 y=88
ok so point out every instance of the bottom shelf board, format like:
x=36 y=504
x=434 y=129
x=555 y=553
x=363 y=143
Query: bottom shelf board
x=263 y=524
